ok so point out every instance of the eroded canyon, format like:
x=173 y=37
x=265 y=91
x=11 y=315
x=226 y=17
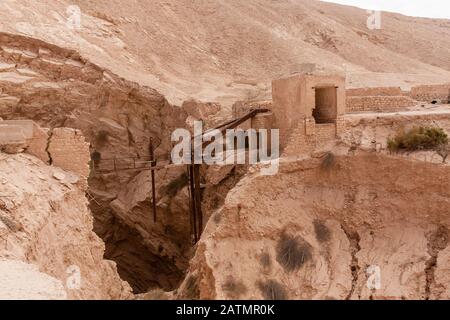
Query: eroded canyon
x=341 y=205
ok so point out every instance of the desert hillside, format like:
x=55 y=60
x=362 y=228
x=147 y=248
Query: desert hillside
x=227 y=50
x=92 y=94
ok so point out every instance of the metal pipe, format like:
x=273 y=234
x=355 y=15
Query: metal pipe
x=193 y=202
x=152 y=157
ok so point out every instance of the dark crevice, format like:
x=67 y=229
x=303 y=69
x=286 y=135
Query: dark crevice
x=437 y=241
x=354 y=239
x=50 y=135
x=143 y=269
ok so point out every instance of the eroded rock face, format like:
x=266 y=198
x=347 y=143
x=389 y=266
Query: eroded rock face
x=46 y=237
x=319 y=232
x=57 y=87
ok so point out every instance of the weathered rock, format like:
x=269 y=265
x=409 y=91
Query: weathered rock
x=316 y=233
x=49 y=250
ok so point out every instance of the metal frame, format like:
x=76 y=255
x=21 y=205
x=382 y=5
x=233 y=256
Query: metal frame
x=193 y=171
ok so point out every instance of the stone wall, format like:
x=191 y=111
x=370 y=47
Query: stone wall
x=16 y=135
x=69 y=151
x=63 y=147
x=379 y=103
x=325 y=131
x=262 y=121
x=428 y=93
x=240 y=108
x=308 y=136
x=294 y=100
x=376 y=91
x=37 y=145
x=372 y=132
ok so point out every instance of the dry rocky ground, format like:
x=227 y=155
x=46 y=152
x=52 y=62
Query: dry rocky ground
x=46 y=235
x=312 y=231
x=125 y=76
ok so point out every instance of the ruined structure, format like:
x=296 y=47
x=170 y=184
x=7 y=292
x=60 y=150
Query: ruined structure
x=432 y=93
x=306 y=104
x=313 y=110
x=340 y=205
x=48 y=249
x=65 y=148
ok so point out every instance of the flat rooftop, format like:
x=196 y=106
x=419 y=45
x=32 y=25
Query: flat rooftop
x=420 y=110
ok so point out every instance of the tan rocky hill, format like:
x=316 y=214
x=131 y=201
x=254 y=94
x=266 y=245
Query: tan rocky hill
x=227 y=50
x=101 y=79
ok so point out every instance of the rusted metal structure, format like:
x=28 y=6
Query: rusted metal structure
x=118 y=164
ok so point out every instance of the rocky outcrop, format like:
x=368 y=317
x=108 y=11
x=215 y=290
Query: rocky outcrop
x=57 y=87
x=371 y=132
x=324 y=229
x=47 y=247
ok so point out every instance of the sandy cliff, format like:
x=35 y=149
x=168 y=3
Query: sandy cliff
x=48 y=249
x=315 y=232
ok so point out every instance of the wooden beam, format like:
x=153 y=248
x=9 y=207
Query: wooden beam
x=198 y=199
x=193 y=202
x=152 y=157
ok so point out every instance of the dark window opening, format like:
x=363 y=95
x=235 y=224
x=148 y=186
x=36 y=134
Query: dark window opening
x=325 y=110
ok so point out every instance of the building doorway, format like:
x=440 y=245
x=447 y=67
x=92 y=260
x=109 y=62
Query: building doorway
x=325 y=110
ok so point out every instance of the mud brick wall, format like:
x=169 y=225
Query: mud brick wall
x=262 y=121
x=37 y=145
x=27 y=135
x=11 y=134
x=377 y=91
x=340 y=125
x=69 y=151
x=240 y=108
x=379 y=103
x=300 y=142
x=429 y=93
x=325 y=132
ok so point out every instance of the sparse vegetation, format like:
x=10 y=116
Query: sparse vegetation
x=217 y=217
x=176 y=185
x=191 y=290
x=234 y=288
x=272 y=290
x=293 y=252
x=418 y=138
x=443 y=151
x=322 y=232
x=328 y=161
x=102 y=138
x=96 y=156
x=95 y=159
x=9 y=223
x=265 y=260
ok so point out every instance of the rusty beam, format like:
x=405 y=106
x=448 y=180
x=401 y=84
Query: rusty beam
x=191 y=217
x=153 y=163
x=198 y=200
x=193 y=202
x=153 y=167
